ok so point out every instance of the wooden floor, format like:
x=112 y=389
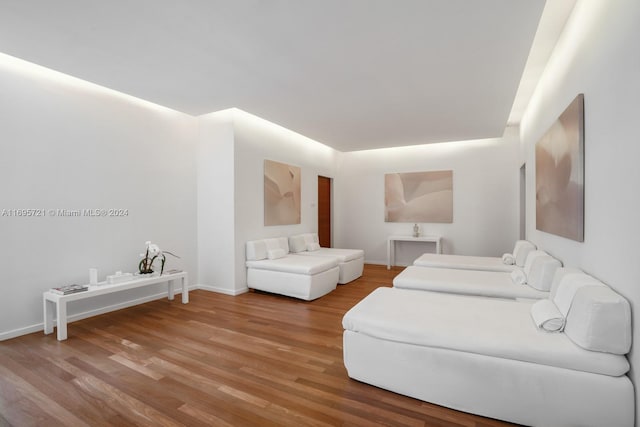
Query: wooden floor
x=255 y=360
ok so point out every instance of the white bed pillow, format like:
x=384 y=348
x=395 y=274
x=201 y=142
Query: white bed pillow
x=276 y=253
x=256 y=250
x=559 y=275
x=521 y=251
x=600 y=320
x=312 y=247
x=542 y=270
x=531 y=257
x=310 y=238
x=567 y=288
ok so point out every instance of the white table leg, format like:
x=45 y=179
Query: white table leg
x=61 y=317
x=388 y=254
x=48 y=316
x=170 y=289
x=438 y=248
x=185 y=290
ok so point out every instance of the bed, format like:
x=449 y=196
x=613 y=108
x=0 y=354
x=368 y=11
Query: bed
x=533 y=281
x=506 y=263
x=487 y=356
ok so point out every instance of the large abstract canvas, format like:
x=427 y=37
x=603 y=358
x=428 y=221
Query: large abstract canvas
x=281 y=193
x=418 y=197
x=560 y=175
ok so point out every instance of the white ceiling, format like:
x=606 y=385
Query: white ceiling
x=352 y=74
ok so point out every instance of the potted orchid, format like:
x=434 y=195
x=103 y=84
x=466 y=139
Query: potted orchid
x=152 y=254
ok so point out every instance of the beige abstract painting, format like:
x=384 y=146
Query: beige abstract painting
x=418 y=197
x=560 y=175
x=281 y=193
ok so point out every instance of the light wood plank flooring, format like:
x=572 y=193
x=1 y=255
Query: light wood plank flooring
x=252 y=360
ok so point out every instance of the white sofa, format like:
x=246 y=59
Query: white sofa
x=487 y=356
x=350 y=261
x=508 y=262
x=271 y=268
x=533 y=281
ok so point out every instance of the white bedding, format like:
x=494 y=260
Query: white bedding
x=469 y=282
x=463 y=262
x=491 y=327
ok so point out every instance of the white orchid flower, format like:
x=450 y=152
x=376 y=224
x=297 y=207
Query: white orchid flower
x=153 y=250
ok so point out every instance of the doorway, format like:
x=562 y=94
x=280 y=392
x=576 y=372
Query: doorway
x=324 y=211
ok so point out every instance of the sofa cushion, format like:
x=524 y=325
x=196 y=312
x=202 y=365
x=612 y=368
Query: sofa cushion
x=297 y=244
x=258 y=249
x=600 y=320
x=312 y=247
x=276 y=253
x=310 y=238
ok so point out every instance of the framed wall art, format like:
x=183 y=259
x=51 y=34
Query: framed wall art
x=560 y=175
x=419 y=197
x=282 y=184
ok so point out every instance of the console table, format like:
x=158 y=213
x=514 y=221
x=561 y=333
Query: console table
x=391 y=245
x=52 y=299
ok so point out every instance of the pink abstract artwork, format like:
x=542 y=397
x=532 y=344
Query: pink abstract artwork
x=560 y=175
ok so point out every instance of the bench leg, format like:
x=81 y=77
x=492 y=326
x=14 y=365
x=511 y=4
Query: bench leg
x=61 y=317
x=170 y=289
x=185 y=290
x=48 y=315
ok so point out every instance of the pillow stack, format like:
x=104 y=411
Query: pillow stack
x=521 y=251
x=591 y=314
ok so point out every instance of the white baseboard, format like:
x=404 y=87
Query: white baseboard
x=21 y=331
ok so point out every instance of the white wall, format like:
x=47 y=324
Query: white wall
x=68 y=144
x=597 y=55
x=216 y=214
x=485 y=192
x=232 y=149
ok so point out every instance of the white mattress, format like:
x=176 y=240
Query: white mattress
x=463 y=262
x=485 y=326
x=295 y=264
x=468 y=282
x=342 y=255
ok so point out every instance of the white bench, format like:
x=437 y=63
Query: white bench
x=52 y=299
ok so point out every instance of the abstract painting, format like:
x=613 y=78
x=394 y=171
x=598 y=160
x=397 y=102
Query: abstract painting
x=281 y=193
x=418 y=197
x=560 y=175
